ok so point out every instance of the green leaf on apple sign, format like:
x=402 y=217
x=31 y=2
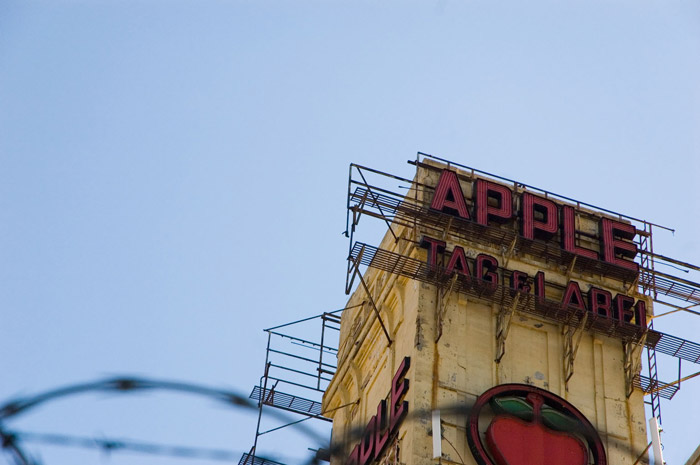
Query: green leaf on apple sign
x=523 y=409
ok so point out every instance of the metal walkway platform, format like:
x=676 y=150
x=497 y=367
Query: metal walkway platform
x=667 y=391
x=288 y=402
x=247 y=459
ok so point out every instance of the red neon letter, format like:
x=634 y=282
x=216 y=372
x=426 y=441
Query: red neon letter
x=622 y=309
x=502 y=195
x=531 y=227
x=573 y=297
x=354 y=457
x=518 y=282
x=367 y=442
x=486 y=267
x=448 y=196
x=640 y=314
x=599 y=302
x=434 y=247
x=458 y=262
x=539 y=285
x=382 y=429
x=617 y=239
x=399 y=386
x=569 y=234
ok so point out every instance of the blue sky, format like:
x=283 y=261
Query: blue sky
x=173 y=173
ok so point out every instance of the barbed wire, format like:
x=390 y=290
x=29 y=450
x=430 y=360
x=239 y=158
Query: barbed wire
x=112 y=444
x=16 y=407
x=10 y=440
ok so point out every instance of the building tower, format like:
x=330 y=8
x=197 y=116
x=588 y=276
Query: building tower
x=511 y=319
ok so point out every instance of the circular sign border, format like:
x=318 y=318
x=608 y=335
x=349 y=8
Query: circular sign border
x=476 y=445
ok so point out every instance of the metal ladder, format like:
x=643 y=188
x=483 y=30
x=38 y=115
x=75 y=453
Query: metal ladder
x=647 y=263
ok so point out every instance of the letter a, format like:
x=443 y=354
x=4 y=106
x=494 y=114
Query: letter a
x=448 y=196
x=573 y=297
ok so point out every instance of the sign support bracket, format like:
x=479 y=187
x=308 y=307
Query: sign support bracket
x=572 y=340
x=442 y=304
x=571 y=268
x=447 y=228
x=507 y=254
x=505 y=315
x=633 y=361
x=374 y=306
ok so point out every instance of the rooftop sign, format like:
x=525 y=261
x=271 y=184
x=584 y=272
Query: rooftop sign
x=538 y=217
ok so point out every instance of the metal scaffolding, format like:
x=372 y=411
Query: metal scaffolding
x=296 y=374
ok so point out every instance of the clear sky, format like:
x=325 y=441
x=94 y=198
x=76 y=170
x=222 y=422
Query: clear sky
x=173 y=173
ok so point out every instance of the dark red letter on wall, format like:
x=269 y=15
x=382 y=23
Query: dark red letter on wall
x=458 y=262
x=399 y=386
x=367 y=443
x=518 y=282
x=485 y=270
x=539 y=286
x=622 y=309
x=382 y=428
x=448 y=196
x=434 y=247
x=502 y=196
x=354 y=457
x=573 y=297
x=599 y=302
x=568 y=220
x=614 y=243
x=532 y=227
x=640 y=314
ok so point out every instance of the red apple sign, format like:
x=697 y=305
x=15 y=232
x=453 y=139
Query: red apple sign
x=513 y=441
